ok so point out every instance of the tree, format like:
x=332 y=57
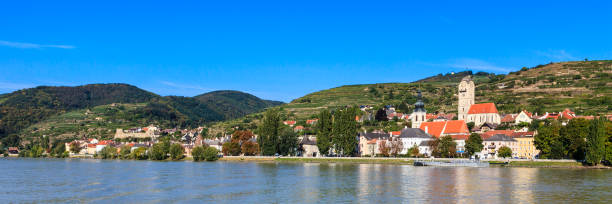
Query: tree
x=381 y=115
x=176 y=151
x=241 y=136
x=198 y=153
x=344 y=131
x=547 y=138
x=470 y=125
x=269 y=133
x=59 y=151
x=125 y=152
x=75 y=147
x=231 y=149
x=504 y=152
x=414 y=151
x=250 y=148
x=139 y=153
x=473 y=144
x=12 y=140
x=158 y=151
x=595 y=147
x=383 y=148
x=444 y=147
x=396 y=147
x=211 y=154
x=324 y=130
x=108 y=152
x=574 y=136
x=404 y=108
x=288 y=142
x=608 y=154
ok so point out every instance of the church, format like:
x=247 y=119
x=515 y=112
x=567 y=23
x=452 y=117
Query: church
x=471 y=112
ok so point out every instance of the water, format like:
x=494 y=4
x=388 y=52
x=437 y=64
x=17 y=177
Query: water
x=98 y=181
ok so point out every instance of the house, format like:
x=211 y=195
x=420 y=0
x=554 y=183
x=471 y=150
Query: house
x=484 y=127
x=425 y=148
x=483 y=113
x=493 y=143
x=523 y=116
x=13 y=150
x=509 y=118
x=308 y=147
x=369 y=141
x=525 y=145
x=457 y=129
x=411 y=137
x=298 y=128
x=91 y=149
x=147 y=132
x=489 y=134
x=312 y=121
x=290 y=123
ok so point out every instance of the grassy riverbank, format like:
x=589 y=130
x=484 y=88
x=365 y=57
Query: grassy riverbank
x=545 y=164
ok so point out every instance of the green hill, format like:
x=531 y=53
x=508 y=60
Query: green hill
x=27 y=111
x=583 y=86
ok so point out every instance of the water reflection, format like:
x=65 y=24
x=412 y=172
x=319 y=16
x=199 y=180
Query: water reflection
x=33 y=180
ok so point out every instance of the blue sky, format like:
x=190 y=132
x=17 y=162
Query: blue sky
x=282 y=50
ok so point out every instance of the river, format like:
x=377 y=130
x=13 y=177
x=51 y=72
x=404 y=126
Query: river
x=115 y=181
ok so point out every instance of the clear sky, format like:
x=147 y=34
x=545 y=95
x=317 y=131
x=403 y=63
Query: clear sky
x=282 y=50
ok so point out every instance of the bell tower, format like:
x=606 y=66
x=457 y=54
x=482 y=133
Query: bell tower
x=418 y=115
x=466 y=97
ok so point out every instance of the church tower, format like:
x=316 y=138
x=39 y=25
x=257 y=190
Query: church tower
x=466 y=97
x=418 y=115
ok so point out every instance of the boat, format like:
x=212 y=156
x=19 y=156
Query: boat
x=453 y=163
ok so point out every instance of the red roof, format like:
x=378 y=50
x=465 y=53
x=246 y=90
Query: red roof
x=522 y=134
x=528 y=113
x=299 y=127
x=482 y=108
x=430 y=116
x=396 y=133
x=91 y=145
x=311 y=121
x=450 y=127
x=509 y=118
x=372 y=141
x=495 y=132
x=289 y=122
x=568 y=114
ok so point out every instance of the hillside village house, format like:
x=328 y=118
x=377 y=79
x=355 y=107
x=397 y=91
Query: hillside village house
x=526 y=148
x=411 y=137
x=146 y=132
x=457 y=129
x=369 y=142
x=492 y=145
x=308 y=147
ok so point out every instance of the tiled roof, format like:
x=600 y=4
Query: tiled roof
x=414 y=133
x=482 y=108
x=396 y=133
x=499 y=137
x=371 y=135
x=289 y=122
x=445 y=127
x=508 y=118
x=522 y=134
x=489 y=134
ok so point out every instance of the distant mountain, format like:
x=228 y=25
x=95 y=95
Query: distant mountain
x=24 y=108
x=235 y=104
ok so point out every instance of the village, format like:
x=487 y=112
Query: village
x=501 y=136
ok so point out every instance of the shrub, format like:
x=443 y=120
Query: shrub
x=139 y=153
x=210 y=154
x=504 y=152
x=176 y=151
x=198 y=153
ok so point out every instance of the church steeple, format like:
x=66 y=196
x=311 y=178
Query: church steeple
x=418 y=115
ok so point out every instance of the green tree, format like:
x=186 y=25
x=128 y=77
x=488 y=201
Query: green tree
x=198 y=153
x=574 y=136
x=36 y=151
x=324 y=130
x=473 y=144
x=447 y=147
x=381 y=115
x=269 y=133
x=608 y=154
x=211 y=154
x=108 y=152
x=596 y=142
x=470 y=125
x=547 y=137
x=59 y=150
x=125 y=152
x=288 y=142
x=159 y=151
x=344 y=131
x=504 y=152
x=176 y=151
x=139 y=153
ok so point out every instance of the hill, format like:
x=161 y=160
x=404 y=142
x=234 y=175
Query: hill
x=29 y=110
x=234 y=103
x=583 y=86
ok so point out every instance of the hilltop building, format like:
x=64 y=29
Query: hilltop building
x=466 y=97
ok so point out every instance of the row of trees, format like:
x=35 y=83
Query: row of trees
x=581 y=139
x=337 y=132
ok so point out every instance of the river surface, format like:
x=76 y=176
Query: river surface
x=114 y=181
